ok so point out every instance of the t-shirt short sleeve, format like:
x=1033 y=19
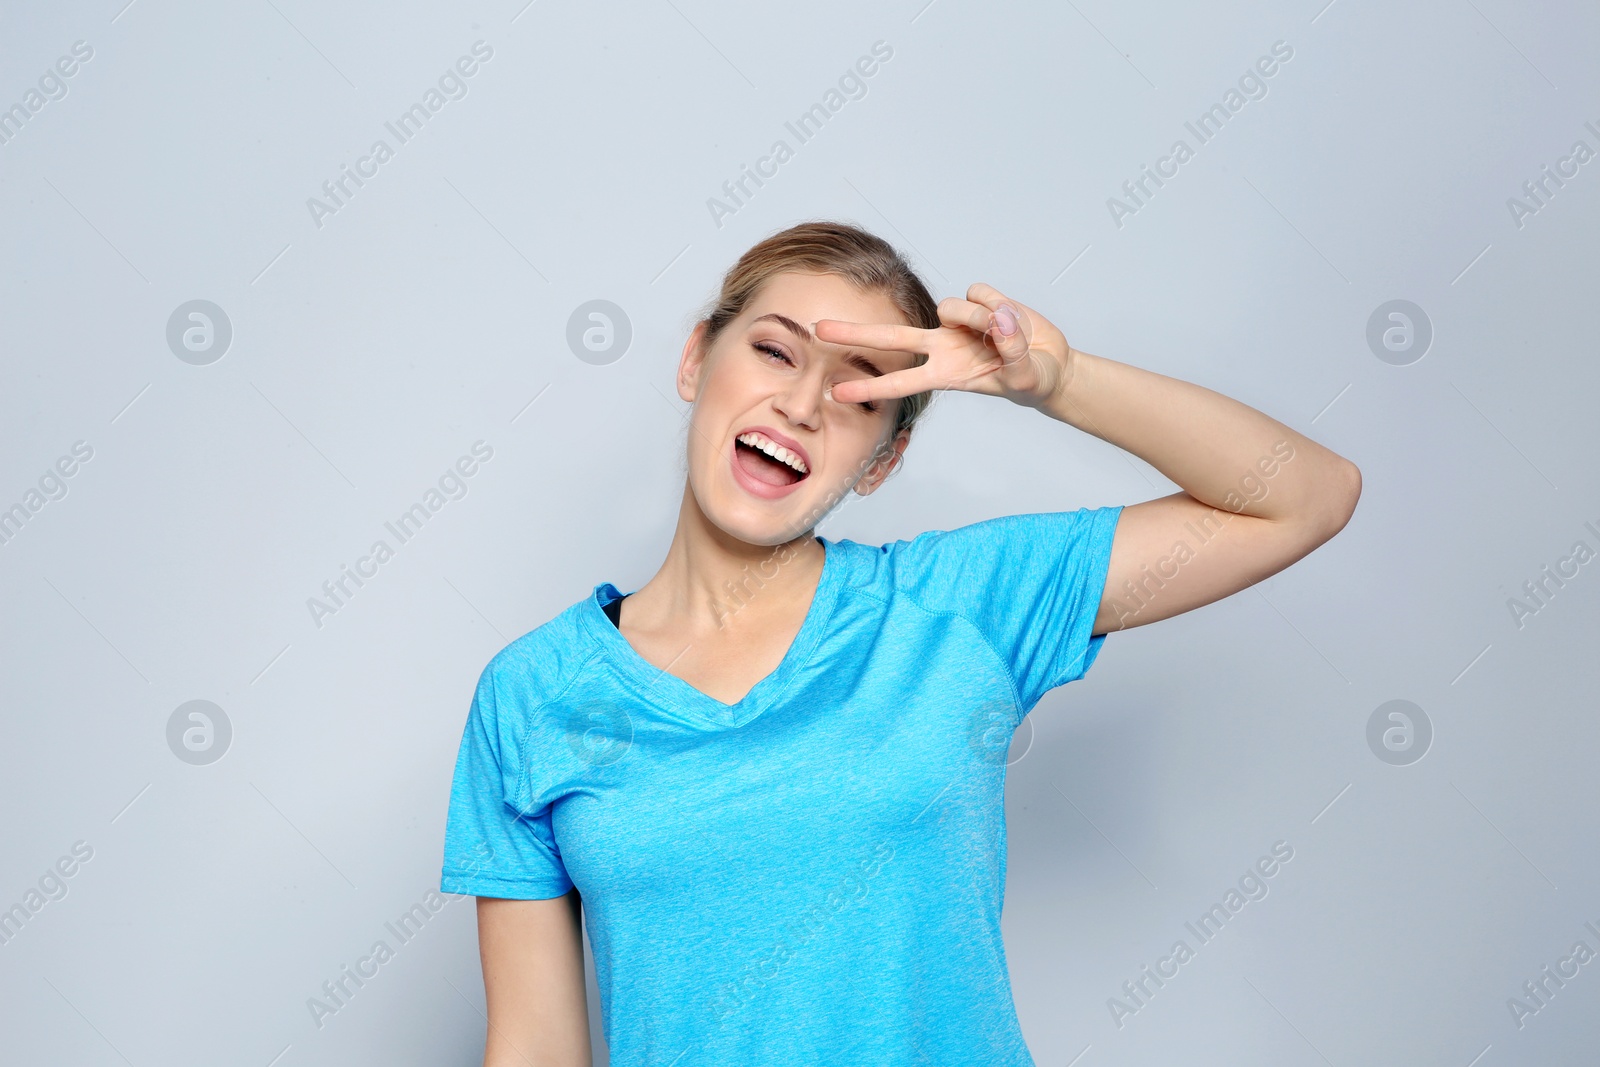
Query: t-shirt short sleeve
x=1030 y=583
x=497 y=842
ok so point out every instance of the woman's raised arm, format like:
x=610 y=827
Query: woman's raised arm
x=1257 y=496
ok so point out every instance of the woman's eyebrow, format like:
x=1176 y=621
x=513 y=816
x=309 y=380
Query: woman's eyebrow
x=787 y=323
x=854 y=359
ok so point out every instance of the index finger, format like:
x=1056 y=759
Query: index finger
x=880 y=335
x=891 y=386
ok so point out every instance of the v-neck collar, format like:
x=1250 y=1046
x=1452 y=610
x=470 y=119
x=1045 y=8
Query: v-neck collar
x=667 y=689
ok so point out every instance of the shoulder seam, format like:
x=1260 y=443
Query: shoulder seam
x=524 y=789
x=1005 y=668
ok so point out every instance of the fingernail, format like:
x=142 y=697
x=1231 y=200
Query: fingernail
x=1006 y=320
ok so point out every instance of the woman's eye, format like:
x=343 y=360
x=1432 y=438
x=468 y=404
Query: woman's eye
x=772 y=350
x=869 y=406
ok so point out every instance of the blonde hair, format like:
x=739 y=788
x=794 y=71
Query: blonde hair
x=830 y=248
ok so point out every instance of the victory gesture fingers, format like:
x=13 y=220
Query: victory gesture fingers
x=987 y=343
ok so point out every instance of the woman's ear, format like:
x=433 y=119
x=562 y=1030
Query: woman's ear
x=691 y=363
x=886 y=463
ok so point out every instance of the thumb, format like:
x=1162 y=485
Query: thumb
x=1008 y=332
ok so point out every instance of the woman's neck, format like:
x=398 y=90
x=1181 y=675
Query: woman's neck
x=711 y=581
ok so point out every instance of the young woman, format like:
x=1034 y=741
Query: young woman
x=775 y=772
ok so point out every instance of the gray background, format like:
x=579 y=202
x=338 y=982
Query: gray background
x=431 y=311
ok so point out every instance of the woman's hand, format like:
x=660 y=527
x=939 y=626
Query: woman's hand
x=988 y=343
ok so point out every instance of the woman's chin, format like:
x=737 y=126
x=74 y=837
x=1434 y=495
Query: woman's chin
x=757 y=522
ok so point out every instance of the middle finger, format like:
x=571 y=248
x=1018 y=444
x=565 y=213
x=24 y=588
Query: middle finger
x=880 y=335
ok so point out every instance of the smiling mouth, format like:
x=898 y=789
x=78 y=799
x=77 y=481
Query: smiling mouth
x=762 y=467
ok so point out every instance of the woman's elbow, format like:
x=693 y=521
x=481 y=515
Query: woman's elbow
x=1338 y=500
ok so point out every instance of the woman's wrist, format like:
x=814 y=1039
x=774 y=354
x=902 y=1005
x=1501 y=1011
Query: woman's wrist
x=1061 y=403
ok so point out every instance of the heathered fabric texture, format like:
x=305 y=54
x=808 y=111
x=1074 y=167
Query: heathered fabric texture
x=813 y=875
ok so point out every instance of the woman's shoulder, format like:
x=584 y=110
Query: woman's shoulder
x=973 y=553
x=542 y=660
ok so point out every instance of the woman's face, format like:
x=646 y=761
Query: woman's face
x=763 y=383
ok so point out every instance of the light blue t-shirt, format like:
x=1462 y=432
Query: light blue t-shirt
x=813 y=875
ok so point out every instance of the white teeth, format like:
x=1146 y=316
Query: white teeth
x=773 y=449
